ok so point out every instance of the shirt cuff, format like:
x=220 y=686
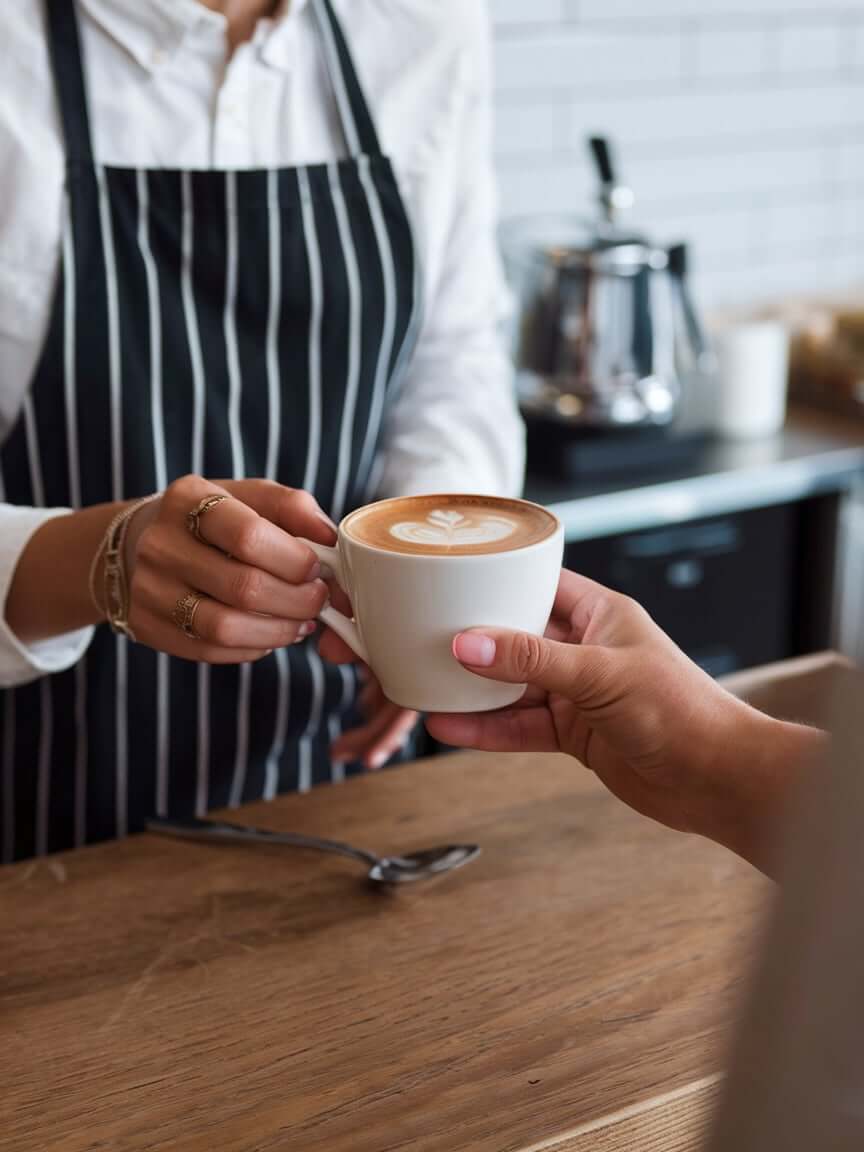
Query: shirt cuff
x=21 y=663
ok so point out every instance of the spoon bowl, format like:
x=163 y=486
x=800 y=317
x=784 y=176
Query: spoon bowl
x=422 y=865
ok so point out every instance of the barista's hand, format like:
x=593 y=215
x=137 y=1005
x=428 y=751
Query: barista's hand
x=609 y=688
x=385 y=731
x=387 y=725
x=259 y=585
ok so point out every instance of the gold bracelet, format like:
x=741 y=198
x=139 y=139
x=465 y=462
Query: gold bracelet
x=115 y=606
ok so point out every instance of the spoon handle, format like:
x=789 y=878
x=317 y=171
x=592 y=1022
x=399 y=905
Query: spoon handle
x=194 y=829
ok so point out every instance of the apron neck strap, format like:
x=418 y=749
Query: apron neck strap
x=64 y=44
x=358 y=127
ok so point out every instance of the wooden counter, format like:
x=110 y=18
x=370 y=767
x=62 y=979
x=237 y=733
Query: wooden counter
x=571 y=989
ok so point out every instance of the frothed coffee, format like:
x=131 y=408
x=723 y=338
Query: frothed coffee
x=450 y=525
x=420 y=569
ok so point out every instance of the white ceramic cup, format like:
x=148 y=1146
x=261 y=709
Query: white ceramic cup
x=753 y=370
x=408 y=607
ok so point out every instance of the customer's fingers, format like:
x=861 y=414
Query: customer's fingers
x=558 y=629
x=576 y=671
x=576 y=603
x=511 y=730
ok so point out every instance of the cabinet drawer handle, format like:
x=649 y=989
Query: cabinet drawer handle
x=715 y=538
x=685 y=574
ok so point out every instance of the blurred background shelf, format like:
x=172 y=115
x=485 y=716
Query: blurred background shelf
x=750 y=554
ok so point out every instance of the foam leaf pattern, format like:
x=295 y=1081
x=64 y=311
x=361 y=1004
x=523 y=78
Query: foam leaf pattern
x=450 y=529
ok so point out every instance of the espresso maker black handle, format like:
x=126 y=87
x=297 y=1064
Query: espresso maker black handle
x=602 y=154
x=677 y=256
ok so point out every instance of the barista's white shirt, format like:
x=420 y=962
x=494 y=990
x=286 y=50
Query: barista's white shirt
x=161 y=96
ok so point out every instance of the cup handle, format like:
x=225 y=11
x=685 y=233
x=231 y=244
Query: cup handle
x=342 y=625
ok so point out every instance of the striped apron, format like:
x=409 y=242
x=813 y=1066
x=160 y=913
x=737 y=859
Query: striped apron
x=228 y=323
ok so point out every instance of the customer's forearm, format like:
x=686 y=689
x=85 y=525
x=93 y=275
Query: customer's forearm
x=755 y=778
x=49 y=594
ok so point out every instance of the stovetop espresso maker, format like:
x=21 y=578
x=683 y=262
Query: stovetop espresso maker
x=607 y=332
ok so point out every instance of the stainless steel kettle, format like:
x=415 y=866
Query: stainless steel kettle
x=606 y=328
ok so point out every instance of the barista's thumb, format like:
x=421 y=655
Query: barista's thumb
x=570 y=670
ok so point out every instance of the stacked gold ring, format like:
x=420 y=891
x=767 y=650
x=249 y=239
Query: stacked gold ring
x=193 y=518
x=183 y=614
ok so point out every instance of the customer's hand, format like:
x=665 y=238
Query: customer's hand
x=259 y=585
x=609 y=688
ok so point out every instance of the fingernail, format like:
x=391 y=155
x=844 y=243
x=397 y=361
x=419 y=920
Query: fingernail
x=474 y=649
x=308 y=628
x=378 y=760
x=314 y=572
x=327 y=520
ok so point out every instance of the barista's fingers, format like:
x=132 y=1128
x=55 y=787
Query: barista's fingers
x=334 y=649
x=371 y=696
x=402 y=722
x=376 y=741
x=339 y=599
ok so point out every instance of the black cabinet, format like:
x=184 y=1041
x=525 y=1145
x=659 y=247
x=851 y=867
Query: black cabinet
x=733 y=591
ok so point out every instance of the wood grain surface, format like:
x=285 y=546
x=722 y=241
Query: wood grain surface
x=157 y=994
x=677 y=1121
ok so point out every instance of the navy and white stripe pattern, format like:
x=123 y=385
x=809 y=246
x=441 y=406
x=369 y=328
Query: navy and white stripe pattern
x=227 y=323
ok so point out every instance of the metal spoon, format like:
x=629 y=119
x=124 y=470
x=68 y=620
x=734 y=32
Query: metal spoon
x=421 y=865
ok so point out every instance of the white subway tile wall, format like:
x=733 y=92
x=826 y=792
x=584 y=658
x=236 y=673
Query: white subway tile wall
x=739 y=124
x=806 y=48
x=716 y=54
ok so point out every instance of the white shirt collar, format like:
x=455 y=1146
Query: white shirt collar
x=153 y=31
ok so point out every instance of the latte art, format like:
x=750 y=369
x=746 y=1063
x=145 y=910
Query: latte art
x=444 y=529
x=450 y=525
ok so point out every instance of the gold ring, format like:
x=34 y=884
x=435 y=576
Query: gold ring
x=193 y=518
x=183 y=614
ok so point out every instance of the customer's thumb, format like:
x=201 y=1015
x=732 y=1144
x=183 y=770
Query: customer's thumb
x=522 y=658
